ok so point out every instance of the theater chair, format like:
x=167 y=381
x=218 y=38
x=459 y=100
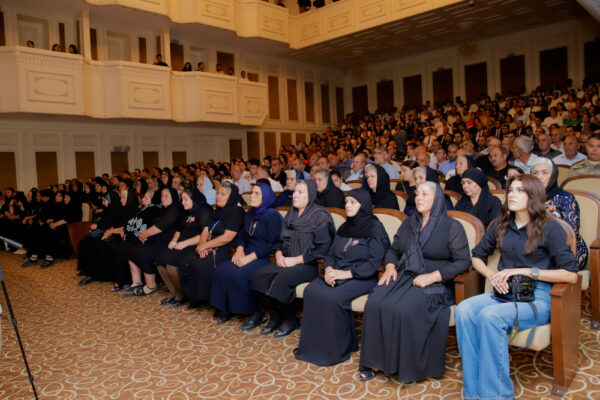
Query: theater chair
x=589 y=229
x=246 y=197
x=77 y=231
x=494 y=183
x=589 y=183
x=354 y=184
x=454 y=197
x=338 y=215
x=394 y=183
x=402 y=197
x=499 y=193
x=563 y=331
x=563 y=173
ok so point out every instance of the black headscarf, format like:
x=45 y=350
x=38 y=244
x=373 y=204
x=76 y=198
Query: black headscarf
x=412 y=259
x=109 y=216
x=487 y=205
x=198 y=200
x=313 y=218
x=364 y=224
x=382 y=197
x=553 y=189
x=477 y=176
x=223 y=212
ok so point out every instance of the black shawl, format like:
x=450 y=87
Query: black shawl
x=222 y=212
x=364 y=224
x=331 y=196
x=487 y=206
x=301 y=228
x=553 y=189
x=382 y=197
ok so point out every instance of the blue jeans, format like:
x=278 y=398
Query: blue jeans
x=482 y=325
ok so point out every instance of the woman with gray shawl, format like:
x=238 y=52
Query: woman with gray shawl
x=405 y=325
x=306 y=235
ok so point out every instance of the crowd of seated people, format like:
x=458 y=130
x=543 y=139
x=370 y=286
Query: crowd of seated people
x=188 y=225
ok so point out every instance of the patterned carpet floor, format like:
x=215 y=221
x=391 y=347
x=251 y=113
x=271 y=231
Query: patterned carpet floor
x=89 y=343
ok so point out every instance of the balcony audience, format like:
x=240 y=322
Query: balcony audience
x=187 y=67
x=159 y=61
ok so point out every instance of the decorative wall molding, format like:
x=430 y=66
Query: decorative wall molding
x=39 y=81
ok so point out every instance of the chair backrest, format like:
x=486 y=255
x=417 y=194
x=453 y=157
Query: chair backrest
x=247 y=207
x=338 y=215
x=86 y=212
x=402 y=198
x=283 y=210
x=472 y=226
x=499 y=193
x=494 y=259
x=589 y=212
x=494 y=183
x=443 y=183
x=454 y=197
x=589 y=183
x=391 y=220
x=77 y=231
x=354 y=184
x=563 y=173
x=394 y=183
x=246 y=197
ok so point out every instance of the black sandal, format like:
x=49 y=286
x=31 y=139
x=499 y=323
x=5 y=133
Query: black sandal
x=139 y=290
x=367 y=374
x=131 y=289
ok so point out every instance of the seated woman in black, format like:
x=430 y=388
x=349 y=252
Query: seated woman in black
x=216 y=242
x=124 y=238
x=328 y=195
x=328 y=336
x=182 y=247
x=477 y=199
x=52 y=236
x=422 y=174
x=406 y=317
x=94 y=249
x=306 y=235
x=377 y=182
x=231 y=292
x=142 y=255
x=463 y=162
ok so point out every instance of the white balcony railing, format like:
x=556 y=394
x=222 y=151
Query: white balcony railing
x=40 y=81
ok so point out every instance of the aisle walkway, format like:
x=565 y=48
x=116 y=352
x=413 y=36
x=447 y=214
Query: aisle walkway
x=88 y=343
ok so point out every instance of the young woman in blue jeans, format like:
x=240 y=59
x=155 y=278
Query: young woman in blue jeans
x=531 y=244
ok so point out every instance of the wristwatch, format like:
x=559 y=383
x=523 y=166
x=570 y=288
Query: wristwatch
x=535 y=273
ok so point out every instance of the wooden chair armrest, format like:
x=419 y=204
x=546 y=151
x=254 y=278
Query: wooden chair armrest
x=595 y=244
x=467 y=284
x=565 y=300
x=595 y=283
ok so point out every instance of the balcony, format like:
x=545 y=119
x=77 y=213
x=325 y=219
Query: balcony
x=256 y=18
x=40 y=81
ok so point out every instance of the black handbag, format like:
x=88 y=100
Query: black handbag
x=521 y=289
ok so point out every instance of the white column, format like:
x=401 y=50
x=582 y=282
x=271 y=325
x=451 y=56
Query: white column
x=84 y=31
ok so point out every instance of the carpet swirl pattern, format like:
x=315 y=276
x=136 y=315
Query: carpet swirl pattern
x=88 y=343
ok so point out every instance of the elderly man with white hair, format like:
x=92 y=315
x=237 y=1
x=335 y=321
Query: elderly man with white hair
x=522 y=149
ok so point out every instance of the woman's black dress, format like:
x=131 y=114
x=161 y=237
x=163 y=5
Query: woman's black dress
x=192 y=225
x=328 y=335
x=144 y=254
x=405 y=327
x=196 y=276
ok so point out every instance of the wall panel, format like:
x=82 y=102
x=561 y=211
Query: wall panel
x=270 y=144
x=273 y=84
x=179 y=158
x=512 y=74
x=150 y=159
x=339 y=103
x=300 y=138
x=475 y=81
x=285 y=138
x=253 y=142
x=360 y=99
x=325 y=111
x=118 y=162
x=413 y=90
x=47 y=168
x=309 y=101
x=385 y=95
x=442 y=86
x=85 y=164
x=592 y=60
x=235 y=148
x=554 y=69
x=292 y=97
x=8 y=172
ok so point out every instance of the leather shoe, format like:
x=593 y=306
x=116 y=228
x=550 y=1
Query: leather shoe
x=85 y=281
x=47 y=263
x=224 y=317
x=177 y=303
x=167 y=300
x=252 y=323
x=270 y=328
x=280 y=334
x=29 y=263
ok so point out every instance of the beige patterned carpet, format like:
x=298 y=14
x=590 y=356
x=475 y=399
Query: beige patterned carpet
x=88 y=343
